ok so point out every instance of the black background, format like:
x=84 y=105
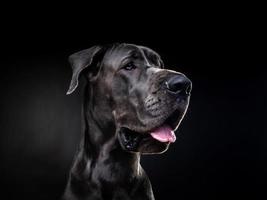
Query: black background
x=221 y=149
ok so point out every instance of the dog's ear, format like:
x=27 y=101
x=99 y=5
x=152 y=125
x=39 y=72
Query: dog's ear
x=79 y=61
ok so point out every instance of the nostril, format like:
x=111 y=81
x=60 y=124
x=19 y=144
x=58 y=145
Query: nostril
x=174 y=87
x=188 y=88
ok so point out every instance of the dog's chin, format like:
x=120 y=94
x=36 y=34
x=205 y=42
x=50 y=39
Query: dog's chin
x=154 y=140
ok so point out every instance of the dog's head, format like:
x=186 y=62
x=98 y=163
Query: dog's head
x=145 y=101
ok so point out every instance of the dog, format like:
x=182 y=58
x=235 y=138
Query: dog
x=132 y=106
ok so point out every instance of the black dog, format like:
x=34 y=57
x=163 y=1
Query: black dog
x=131 y=107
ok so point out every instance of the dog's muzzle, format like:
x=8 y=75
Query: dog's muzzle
x=175 y=89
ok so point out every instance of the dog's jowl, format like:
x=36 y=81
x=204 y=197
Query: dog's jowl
x=132 y=106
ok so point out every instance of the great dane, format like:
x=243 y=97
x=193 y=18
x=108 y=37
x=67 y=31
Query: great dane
x=132 y=106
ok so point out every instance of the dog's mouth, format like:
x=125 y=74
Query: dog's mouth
x=155 y=140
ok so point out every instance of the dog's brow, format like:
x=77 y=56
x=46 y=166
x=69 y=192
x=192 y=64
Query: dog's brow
x=132 y=54
x=126 y=58
x=145 y=58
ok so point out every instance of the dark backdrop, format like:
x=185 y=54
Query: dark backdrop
x=221 y=147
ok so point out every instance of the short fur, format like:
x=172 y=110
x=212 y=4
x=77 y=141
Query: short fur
x=127 y=90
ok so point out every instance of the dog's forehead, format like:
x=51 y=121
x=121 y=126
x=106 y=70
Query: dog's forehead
x=115 y=55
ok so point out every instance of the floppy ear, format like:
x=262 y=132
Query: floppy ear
x=79 y=61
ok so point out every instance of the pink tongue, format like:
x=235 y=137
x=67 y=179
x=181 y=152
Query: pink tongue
x=163 y=134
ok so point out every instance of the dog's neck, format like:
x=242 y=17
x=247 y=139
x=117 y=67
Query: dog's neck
x=100 y=149
x=102 y=165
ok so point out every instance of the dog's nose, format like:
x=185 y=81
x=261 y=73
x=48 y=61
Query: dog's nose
x=179 y=84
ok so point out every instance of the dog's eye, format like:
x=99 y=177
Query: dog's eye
x=129 y=66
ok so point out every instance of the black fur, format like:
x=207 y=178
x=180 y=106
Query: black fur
x=128 y=94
